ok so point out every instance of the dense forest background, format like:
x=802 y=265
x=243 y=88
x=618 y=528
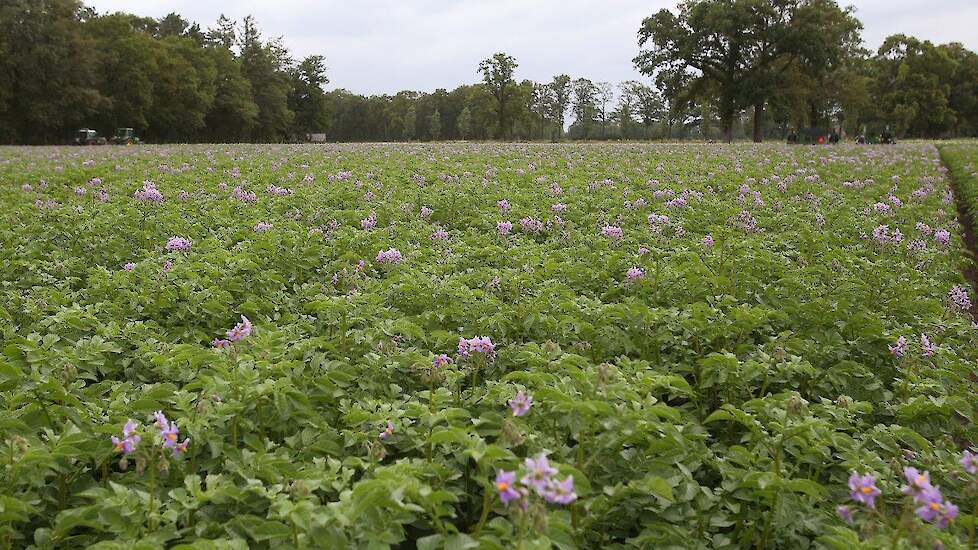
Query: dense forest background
x=717 y=70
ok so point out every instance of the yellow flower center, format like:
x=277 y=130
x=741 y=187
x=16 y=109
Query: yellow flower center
x=171 y=436
x=867 y=490
x=502 y=485
x=935 y=506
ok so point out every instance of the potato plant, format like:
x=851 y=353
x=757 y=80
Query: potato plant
x=485 y=346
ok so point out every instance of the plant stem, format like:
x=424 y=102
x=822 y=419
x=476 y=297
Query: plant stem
x=485 y=512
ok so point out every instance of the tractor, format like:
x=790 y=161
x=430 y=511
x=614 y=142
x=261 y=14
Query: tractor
x=87 y=136
x=125 y=136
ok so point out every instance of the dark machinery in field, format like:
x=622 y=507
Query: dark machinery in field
x=122 y=136
x=125 y=136
x=87 y=136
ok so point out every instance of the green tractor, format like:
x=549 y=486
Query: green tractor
x=125 y=136
x=87 y=136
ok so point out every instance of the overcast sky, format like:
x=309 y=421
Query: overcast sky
x=383 y=46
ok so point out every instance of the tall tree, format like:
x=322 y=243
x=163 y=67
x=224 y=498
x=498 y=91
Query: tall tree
x=307 y=97
x=560 y=93
x=914 y=86
x=47 y=79
x=584 y=105
x=171 y=25
x=649 y=106
x=234 y=114
x=126 y=70
x=698 y=53
x=497 y=74
x=224 y=34
x=464 y=123
x=739 y=51
x=183 y=90
x=434 y=125
x=265 y=67
x=605 y=94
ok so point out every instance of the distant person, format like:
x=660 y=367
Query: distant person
x=861 y=139
x=834 y=137
x=821 y=140
x=792 y=137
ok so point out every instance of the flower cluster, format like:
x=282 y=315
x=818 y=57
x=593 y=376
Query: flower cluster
x=658 y=219
x=476 y=344
x=262 y=227
x=959 y=297
x=178 y=244
x=278 y=191
x=633 y=274
x=504 y=227
x=170 y=434
x=130 y=439
x=899 y=349
x=240 y=331
x=538 y=477
x=369 y=222
x=748 y=221
x=926 y=347
x=612 y=231
x=148 y=193
x=531 y=225
x=390 y=256
x=931 y=505
x=242 y=195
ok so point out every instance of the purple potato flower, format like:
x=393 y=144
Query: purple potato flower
x=900 y=348
x=634 y=274
x=927 y=348
x=560 y=492
x=521 y=403
x=845 y=513
x=127 y=445
x=390 y=256
x=504 y=484
x=969 y=461
x=538 y=473
x=178 y=244
x=440 y=361
x=240 y=331
x=863 y=489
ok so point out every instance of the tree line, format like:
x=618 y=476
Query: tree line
x=722 y=69
x=63 y=66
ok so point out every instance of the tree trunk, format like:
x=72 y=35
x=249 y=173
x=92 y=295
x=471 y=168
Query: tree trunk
x=726 y=118
x=759 y=122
